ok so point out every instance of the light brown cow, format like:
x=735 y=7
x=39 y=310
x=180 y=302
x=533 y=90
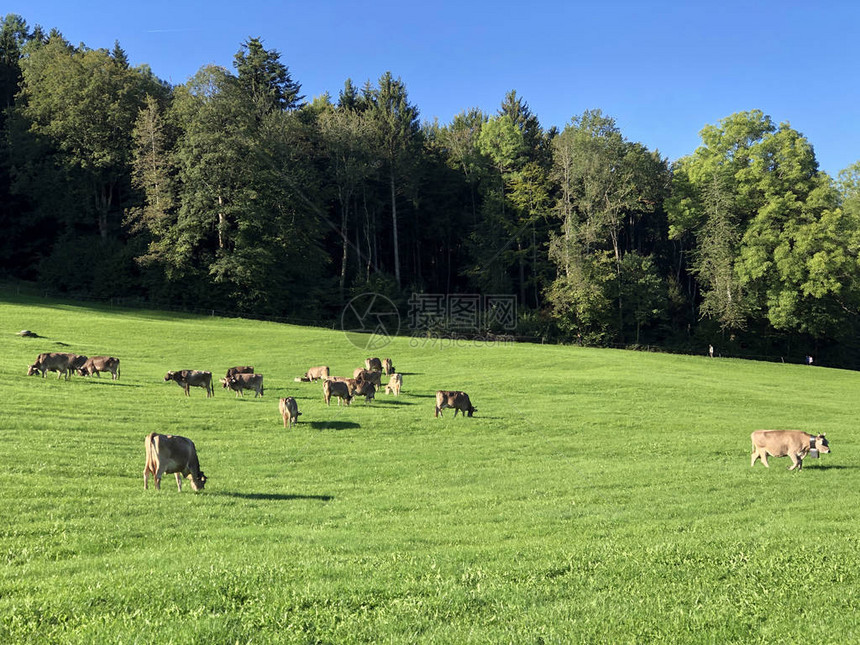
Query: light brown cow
x=241 y=382
x=59 y=362
x=459 y=401
x=786 y=443
x=242 y=369
x=289 y=410
x=387 y=366
x=394 y=384
x=366 y=375
x=339 y=389
x=97 y=364
x=315 y=373
x=188 y=378
x=373 y=364
x=172 y=455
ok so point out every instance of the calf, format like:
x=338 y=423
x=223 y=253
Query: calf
x=243 y=369
x=339 y=389
x=289 y=410
x=188 y=378
x=97 y=364
x=59 y=362
x=241 y=382
x=454 y=399
x=387 y=366
x=172 y=454
x=373 y=364
x=315 y=373
x=394 y=384
x=786 y=443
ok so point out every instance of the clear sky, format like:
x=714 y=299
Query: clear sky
x=662 y=69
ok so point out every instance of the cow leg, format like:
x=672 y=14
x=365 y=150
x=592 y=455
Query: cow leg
x=186 y=388
x=179 y=481
x=456 y=410
x=146 y=478
x=157 y=477
x=795 y=462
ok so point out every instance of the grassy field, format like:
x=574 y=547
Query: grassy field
x=596 y=496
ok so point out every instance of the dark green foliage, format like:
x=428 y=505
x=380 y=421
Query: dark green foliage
x=232 y=192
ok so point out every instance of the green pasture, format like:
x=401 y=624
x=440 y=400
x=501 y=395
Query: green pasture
x=597 y=496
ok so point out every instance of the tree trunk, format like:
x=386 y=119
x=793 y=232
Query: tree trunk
x=394 y=232
x=222 y=222
x=344 y=233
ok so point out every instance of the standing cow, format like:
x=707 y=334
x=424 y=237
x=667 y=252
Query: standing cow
x=394 y=384
x=387 y=366
x=289 y=410
x=242 y=369
x=454 y=399
x=173 y=455
x=340 y=389
x=314 y=373
x=373 y=364
x=240 y=382
x=188 y=378
x=786 y=443
x=61 y=362
x=97 y=364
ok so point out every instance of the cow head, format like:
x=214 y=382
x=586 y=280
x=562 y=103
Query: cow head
x=168 y=376
x=472 y=410
x=197 y=483
x=225 y=382
x=33 y=369
x=821 y=443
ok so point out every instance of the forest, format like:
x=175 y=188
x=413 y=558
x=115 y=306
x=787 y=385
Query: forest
x=235 y=192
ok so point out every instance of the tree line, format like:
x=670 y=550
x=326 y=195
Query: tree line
x=234 y=190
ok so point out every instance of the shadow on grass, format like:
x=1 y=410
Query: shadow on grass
x=421 y=396
x=391 y=401
x=333 y=425
x=829 y=467
x=276 y=497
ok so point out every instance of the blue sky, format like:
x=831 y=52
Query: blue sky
x=663 y=70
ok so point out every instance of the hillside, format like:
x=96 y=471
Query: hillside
x=596 y=495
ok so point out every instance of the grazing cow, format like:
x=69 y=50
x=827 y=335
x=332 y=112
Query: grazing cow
x=362 y=374
x=244 y=369
x=59 y=362
x=339 y=389
x=289 y=410
x=188 y=378
x=453 y=399
x=241 y=382
x=373 y=364
x=172 y=454
x=315 y=373
x=394 y=384
x=97 y=364
x=387 y=366
x=786 y=443
x=365 y=389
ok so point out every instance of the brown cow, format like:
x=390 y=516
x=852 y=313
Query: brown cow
x=387 y=366
x=786 y=443
x=289 y=410
x=241 y=382
x=373 y=364
x=243 y=369
x=365 y=375
x=188 y=378
x=365 y=389
x=315 y=373
x=172 y=454
x=59 y=362
x=97 y=364
x=459 y=401
x=339 y=389
x=394 y=384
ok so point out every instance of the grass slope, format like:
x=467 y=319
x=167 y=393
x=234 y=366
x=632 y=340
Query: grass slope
x=596 y=496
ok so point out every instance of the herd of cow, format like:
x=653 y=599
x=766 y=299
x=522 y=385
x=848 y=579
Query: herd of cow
x=177 y=455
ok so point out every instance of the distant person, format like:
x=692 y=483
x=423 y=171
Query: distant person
x=808 y=359
x=711 y=351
